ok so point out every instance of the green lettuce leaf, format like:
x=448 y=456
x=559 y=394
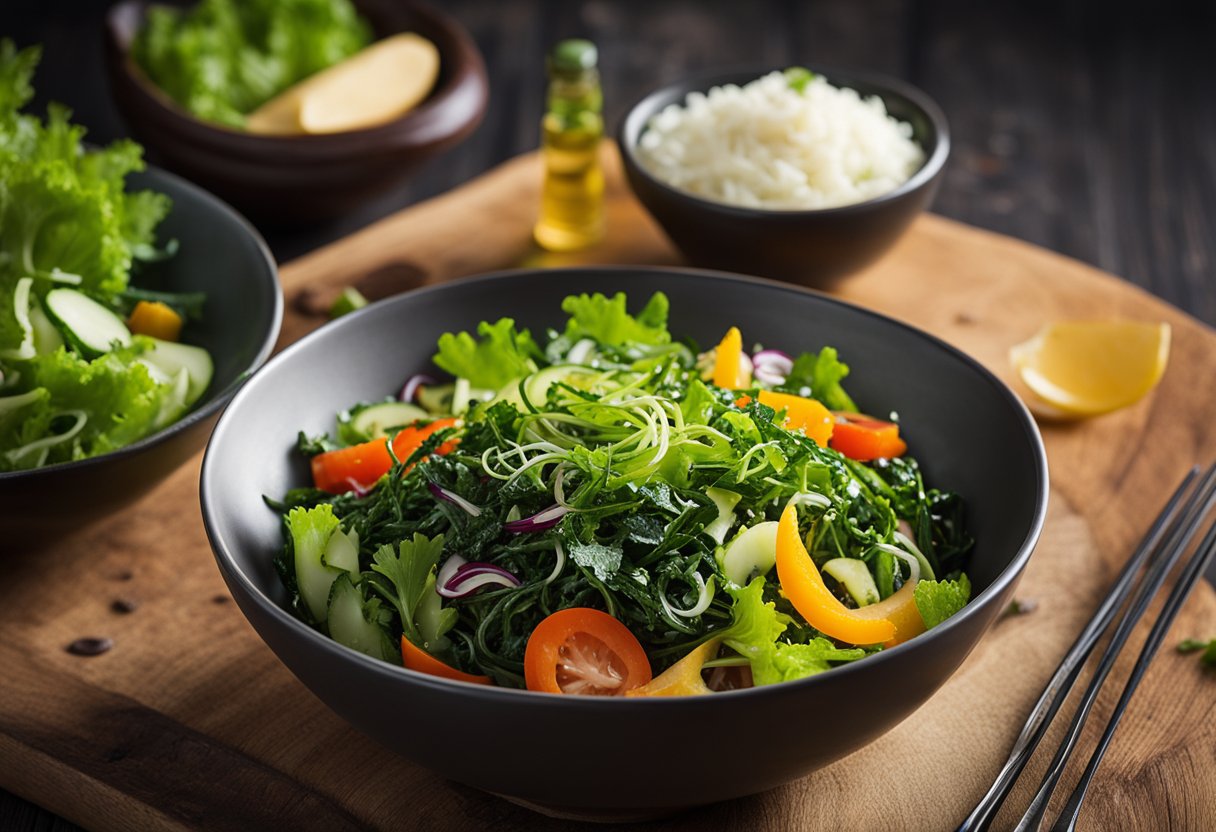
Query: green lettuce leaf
x=119 y=398
x=818 y=375
x=605 y=320
x=222 y=59
x=754 y=632
x=938 y=600
x=501 y=356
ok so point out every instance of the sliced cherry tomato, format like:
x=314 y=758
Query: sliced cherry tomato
x=804 y=586
x=864 y=438
x=415 y=658
x=361 y=465
x=584 y=651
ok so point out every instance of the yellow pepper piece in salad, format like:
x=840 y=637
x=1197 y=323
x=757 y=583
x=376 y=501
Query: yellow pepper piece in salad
x=802 y=584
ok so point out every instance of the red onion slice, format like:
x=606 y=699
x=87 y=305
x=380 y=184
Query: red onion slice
x=538 y=522
x=456 y=499
x=470 y=577
x=449 y=569
x=772 y=367
x=412 y=385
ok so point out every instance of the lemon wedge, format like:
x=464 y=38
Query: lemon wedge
x=383 y=82
x=1087 y=368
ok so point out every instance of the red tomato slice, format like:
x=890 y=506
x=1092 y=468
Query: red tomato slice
x=584 y=651
x=865 y=438
x=339 y=471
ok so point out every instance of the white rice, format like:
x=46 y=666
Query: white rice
x=765 y=145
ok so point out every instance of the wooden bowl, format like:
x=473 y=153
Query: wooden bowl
x=300 y=179
x=814 y=247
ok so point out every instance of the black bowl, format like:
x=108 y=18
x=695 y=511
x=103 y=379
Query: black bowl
x=285 y=180
x=969 y=431
x=813 y=247
x=220 y=254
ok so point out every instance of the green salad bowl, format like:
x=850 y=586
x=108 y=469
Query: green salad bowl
x=221 y=255
x=525 y=745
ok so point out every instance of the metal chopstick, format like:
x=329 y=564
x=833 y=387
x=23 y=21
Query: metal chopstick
x=1065 y=676
x=1198 y=507
x=1194 y=570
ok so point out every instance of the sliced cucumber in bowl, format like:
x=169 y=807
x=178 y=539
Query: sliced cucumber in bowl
x=87 y=325
x=171 y=357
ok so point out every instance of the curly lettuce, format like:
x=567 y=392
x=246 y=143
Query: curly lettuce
x=222 y=59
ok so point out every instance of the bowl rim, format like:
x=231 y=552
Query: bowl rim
x=209 y=481
x=467 y=65
x=221 y=399
x=631 y=124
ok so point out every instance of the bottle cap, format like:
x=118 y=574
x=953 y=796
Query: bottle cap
x=573 y=55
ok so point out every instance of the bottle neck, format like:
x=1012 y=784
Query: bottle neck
x=572 y=98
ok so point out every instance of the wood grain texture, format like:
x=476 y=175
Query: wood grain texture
x=190 y=721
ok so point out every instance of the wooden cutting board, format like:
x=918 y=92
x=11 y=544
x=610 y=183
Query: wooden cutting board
x=190 y=721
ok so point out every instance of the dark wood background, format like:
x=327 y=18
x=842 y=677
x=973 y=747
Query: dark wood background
x=1085 y=127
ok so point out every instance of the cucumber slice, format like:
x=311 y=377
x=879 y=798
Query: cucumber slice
x=460 y=396
x=855 y=577
x=342 y=551
x=170 y=358
x=46 y=338
x=348 y=623
x=436 y=399
x=375 y=421
x=175 y=403
x=725 y=501
x=753 y=552
x=86 y=324
x=537 y=385
x=315 y=572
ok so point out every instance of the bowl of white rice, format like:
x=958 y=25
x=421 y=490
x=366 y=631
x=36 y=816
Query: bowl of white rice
x=803 y=174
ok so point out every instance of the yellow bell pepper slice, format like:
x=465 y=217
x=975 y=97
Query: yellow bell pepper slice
x=901 y=610
x=815 y=420
x=804 y=586
x=729 y=372
x=684 y=677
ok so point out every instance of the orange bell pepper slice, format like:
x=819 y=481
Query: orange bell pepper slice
x=804 y=586
x=729 y=372
x=155 y=319
x=338 y=471
x=415 y=658
x=865 y=438
x=815 y=420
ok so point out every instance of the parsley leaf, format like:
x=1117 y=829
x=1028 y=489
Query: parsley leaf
x=410 y=575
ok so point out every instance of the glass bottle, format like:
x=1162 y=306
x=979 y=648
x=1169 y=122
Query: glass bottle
x=572 y=197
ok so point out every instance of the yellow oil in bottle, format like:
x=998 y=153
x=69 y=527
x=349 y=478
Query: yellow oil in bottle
x=572 y=196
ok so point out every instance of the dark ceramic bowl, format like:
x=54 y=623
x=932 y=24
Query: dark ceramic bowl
x=963 y=425
x=301 y=179
x=220 y=254
x=813 y=247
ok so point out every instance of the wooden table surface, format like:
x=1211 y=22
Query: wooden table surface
x=1081 y=126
